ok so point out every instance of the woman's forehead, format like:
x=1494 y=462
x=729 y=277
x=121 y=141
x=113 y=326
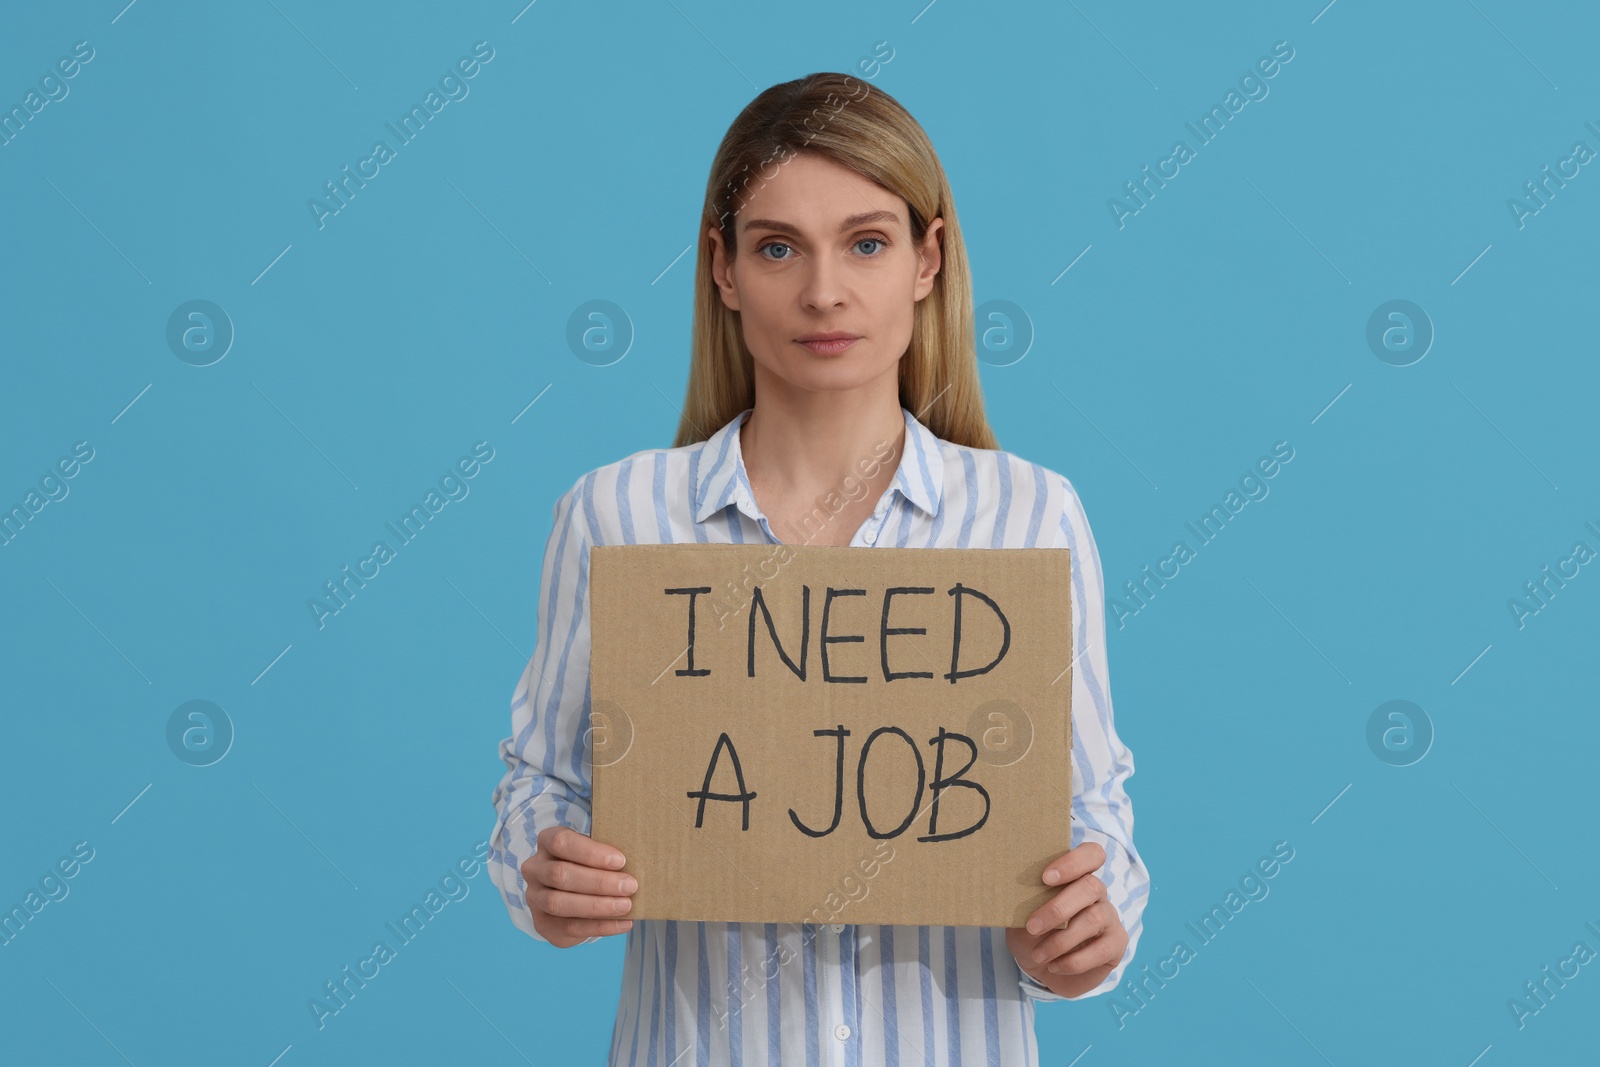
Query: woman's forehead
x=819 y=195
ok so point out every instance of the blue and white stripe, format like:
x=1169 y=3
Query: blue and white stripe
x=786 y=993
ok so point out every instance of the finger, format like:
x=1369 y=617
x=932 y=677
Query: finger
x=1075 y=863
x=1067 y=903
x=597 y=927
x=1064 y=905
x=1088 y=923
x=1106 y=948
x=576 y=878
x=576 y=905
x=563 y=842
x=553 y=927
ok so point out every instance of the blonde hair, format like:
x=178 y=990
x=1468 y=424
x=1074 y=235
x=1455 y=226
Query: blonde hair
x=868 y=131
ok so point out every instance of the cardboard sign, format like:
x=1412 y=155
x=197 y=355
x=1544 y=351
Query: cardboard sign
x=788 y=733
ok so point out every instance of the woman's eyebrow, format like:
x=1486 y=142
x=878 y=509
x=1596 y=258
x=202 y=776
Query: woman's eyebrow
x=850 y=223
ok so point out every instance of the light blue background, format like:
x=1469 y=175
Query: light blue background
x=425 y=316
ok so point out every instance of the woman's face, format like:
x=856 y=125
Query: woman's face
x=823 y=250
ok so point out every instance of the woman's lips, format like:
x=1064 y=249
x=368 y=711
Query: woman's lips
x=830 y=348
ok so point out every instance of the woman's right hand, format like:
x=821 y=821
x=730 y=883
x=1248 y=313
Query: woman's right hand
x=575 y=890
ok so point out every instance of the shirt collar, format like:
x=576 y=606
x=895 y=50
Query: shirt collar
x=720 y=478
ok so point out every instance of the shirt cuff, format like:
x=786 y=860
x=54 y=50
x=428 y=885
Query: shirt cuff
x=1036 y=989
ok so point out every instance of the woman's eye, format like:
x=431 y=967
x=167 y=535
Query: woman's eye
x=870 y=253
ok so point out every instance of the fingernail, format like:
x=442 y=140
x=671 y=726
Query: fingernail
x=1034 y=926
x=1051 y=877
x=1038 y=956
x=629 y=884
x=616 y=861
x=622 y=905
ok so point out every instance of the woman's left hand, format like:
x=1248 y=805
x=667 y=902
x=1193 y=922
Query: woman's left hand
x=1077 y=934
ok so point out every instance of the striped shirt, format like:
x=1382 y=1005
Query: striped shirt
x=798 y=993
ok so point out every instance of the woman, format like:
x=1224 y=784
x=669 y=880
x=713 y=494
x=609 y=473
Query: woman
x=833 y=400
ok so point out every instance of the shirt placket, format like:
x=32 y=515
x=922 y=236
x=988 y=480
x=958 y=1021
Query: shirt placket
x=840 y=1026
x=846 y=1027
x=872 y=529
x=837 y=1025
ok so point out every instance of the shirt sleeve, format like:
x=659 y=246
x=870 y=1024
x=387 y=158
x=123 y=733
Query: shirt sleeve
x=1101 y=763
x=547 y=779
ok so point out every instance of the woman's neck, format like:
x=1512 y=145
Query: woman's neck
x=797 y=453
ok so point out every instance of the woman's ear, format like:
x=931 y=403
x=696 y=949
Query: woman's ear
x=722 y=269
x=930 y=256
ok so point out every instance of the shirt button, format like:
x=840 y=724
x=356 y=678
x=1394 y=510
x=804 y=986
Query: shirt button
x=870 y=537
x=842 y=1032
x=838 y=928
